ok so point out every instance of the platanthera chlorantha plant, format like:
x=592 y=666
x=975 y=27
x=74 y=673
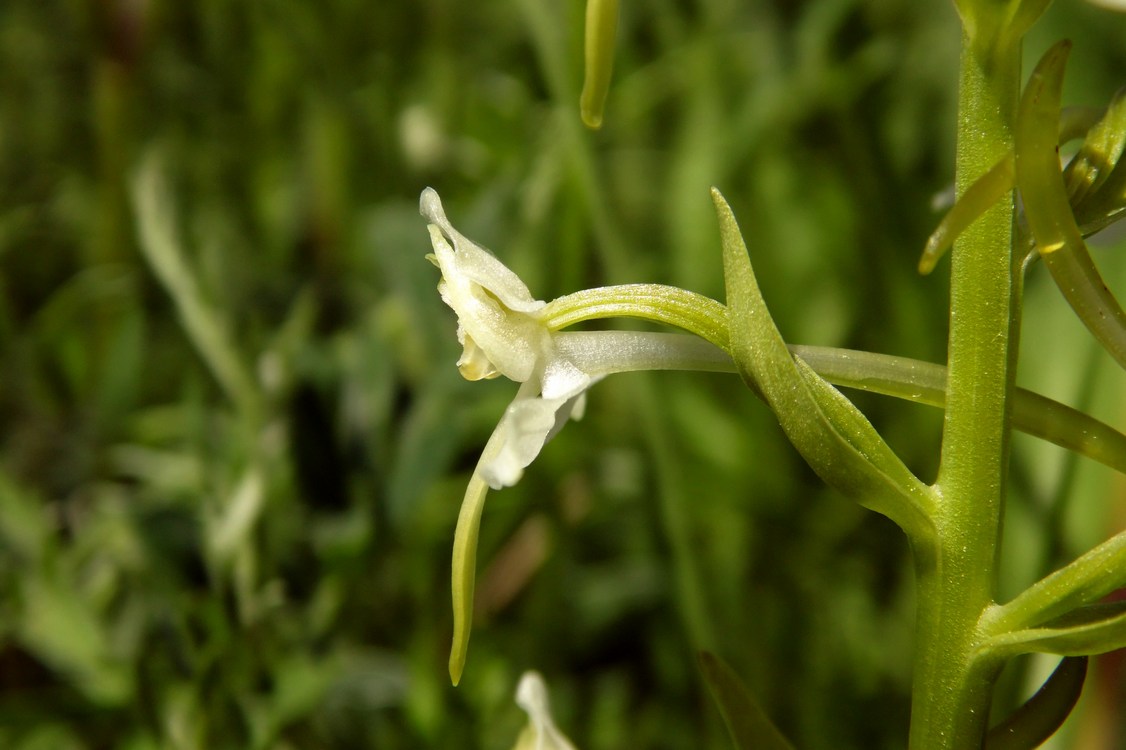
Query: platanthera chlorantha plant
x=1008 y=143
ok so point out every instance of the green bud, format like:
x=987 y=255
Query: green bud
x=1096 y=177
x=601 y=31
x=1048 y=209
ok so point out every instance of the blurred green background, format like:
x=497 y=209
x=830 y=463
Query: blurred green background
x=258 y=556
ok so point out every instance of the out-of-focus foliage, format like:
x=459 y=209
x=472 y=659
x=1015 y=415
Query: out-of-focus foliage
x=180 y=568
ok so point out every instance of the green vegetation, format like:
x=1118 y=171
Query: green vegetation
x=233 y=442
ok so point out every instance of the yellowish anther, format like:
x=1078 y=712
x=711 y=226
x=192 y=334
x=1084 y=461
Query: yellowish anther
x=601 y=32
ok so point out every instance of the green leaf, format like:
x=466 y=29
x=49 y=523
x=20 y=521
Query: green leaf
x=25 y=527
x=206 y=326
x=748 y=724
x=1042 y=714
x=1093 y=629
x=61 y=627
x=831 y=434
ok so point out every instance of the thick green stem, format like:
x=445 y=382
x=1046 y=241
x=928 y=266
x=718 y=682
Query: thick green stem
x=952 y=688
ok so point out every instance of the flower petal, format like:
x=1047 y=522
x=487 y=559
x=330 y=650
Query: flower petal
x=541 y=732
x=475 y=262
x=563 y=380
x=526 y=426
x=493 y=306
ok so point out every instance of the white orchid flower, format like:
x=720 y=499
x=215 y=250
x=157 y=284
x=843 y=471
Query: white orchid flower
x=502 y=334
x=504 y=330
x=541 y=732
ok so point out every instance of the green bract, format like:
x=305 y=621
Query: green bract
x=831 y=434
x=1048 y=210
x=1096 y=176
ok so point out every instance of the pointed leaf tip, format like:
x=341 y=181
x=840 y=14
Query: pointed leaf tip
x=978 y=198
x=748 y=724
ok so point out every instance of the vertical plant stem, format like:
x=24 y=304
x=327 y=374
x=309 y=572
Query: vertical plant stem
x=956 y=575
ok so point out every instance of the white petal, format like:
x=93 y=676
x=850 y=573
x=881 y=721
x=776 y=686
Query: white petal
x=493 y=306
x=476 y=263
x=561 y=379
x=523 y=430
x=541 y=733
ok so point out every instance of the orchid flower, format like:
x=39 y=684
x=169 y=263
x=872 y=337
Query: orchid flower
x=541 y=732
x=505 y=331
